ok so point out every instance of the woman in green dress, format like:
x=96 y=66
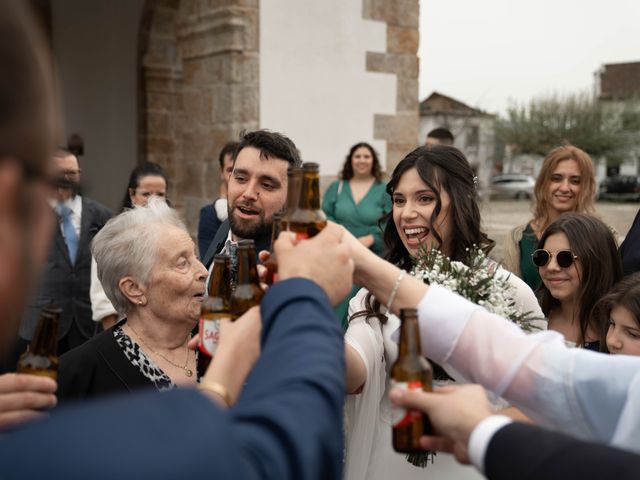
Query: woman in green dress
x=566 y=183
x=358 y=200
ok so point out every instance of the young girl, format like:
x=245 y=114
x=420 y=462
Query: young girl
x=619 y=311
x=578 y=261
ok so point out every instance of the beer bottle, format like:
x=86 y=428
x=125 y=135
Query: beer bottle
x=412 y=372
x=294 y=186
x=308 y=218
x=41 y=357
x=248 y=291
x=272 y=263
x=214 y=309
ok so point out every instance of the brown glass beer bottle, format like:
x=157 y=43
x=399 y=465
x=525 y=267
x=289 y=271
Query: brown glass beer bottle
x=412 y=372
x=41 y=357
x=308 y=218
x=247 y=292
x=214 y=309
x=294 y=185
x=272 y=263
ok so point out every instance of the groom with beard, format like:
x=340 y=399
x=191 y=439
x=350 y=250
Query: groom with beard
x=256 y=190
x=66 y=278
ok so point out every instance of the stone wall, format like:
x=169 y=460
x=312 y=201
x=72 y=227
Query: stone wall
x=199 y=86
x=402 y=19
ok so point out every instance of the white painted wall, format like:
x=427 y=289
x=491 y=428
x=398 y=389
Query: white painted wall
x=95 y=47
x=314 y=86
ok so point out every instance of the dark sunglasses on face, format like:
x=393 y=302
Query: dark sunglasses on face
x=542 y=257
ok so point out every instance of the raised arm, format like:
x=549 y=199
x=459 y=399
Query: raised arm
x=585 y=393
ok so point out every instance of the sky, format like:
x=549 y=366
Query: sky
x=488 y=53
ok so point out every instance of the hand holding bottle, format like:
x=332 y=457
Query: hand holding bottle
x=24 y=398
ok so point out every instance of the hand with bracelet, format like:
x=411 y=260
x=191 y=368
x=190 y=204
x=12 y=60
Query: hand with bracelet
x=237 y=352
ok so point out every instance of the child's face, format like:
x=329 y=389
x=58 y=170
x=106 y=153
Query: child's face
x=624 y=333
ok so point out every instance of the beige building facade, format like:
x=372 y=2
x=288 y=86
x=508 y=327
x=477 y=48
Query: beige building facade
x=171 y=81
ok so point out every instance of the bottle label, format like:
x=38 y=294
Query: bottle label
x=209 y=335
x=298 y=235
x=401 y=417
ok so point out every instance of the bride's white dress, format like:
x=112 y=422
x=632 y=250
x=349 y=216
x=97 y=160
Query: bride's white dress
x=369 y=454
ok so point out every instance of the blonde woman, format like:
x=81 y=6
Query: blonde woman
x=566 y=183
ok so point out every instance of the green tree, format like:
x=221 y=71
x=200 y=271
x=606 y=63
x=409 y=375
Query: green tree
x=603 y=129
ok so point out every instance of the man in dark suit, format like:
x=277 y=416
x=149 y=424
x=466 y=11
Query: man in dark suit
x=213 y=214
x=503 y=449
x=66 y=279
x=257 y=189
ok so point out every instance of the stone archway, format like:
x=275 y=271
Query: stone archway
x=199 y=87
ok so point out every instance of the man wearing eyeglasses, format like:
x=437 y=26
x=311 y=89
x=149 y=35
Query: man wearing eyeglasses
x=66 y=279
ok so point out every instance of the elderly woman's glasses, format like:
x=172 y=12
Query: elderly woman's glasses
x=542 y=257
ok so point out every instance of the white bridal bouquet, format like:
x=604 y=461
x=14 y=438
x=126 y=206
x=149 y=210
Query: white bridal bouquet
x=477 y=282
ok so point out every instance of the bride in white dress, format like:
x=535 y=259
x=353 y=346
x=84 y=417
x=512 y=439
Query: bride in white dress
x=434 y=205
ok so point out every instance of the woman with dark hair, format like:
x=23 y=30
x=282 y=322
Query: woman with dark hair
x=146 y=180
x=434 y=197
x=578 y=261
x=566 y=183
x=358 y=201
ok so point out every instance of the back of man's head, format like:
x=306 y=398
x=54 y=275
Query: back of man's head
x=28 y=115
x=230 y=148
x=271 y=145
x=440 y=136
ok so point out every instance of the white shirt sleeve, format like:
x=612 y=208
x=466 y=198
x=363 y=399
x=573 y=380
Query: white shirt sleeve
x=587 y=394
x=363 y=410
x=481 y=436
x=100 y=305
x=220 y=207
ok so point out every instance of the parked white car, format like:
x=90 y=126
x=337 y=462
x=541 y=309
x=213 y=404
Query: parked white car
x=511 y=185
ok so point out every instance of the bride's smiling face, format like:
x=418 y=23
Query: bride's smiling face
x=413 y=205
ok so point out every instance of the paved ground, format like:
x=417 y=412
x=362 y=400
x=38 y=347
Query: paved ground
x=500 y=216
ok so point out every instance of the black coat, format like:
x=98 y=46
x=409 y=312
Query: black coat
x=630 y=248
x=527 y=452
x=97 y=367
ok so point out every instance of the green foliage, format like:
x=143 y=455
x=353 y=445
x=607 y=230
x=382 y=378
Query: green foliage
x=600 y=128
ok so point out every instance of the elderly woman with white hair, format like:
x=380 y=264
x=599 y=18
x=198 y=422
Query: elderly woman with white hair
x=150 y=271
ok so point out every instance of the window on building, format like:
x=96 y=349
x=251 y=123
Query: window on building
x=473 y=136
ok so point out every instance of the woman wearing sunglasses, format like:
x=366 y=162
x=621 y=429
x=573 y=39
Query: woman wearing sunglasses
x=578 y=261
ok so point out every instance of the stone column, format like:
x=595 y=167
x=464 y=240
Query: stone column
x=215 y=86
x=399 y=130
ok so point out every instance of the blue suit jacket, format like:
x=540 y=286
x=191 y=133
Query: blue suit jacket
x=287 y=423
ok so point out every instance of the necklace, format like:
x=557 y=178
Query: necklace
x=187 y=371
